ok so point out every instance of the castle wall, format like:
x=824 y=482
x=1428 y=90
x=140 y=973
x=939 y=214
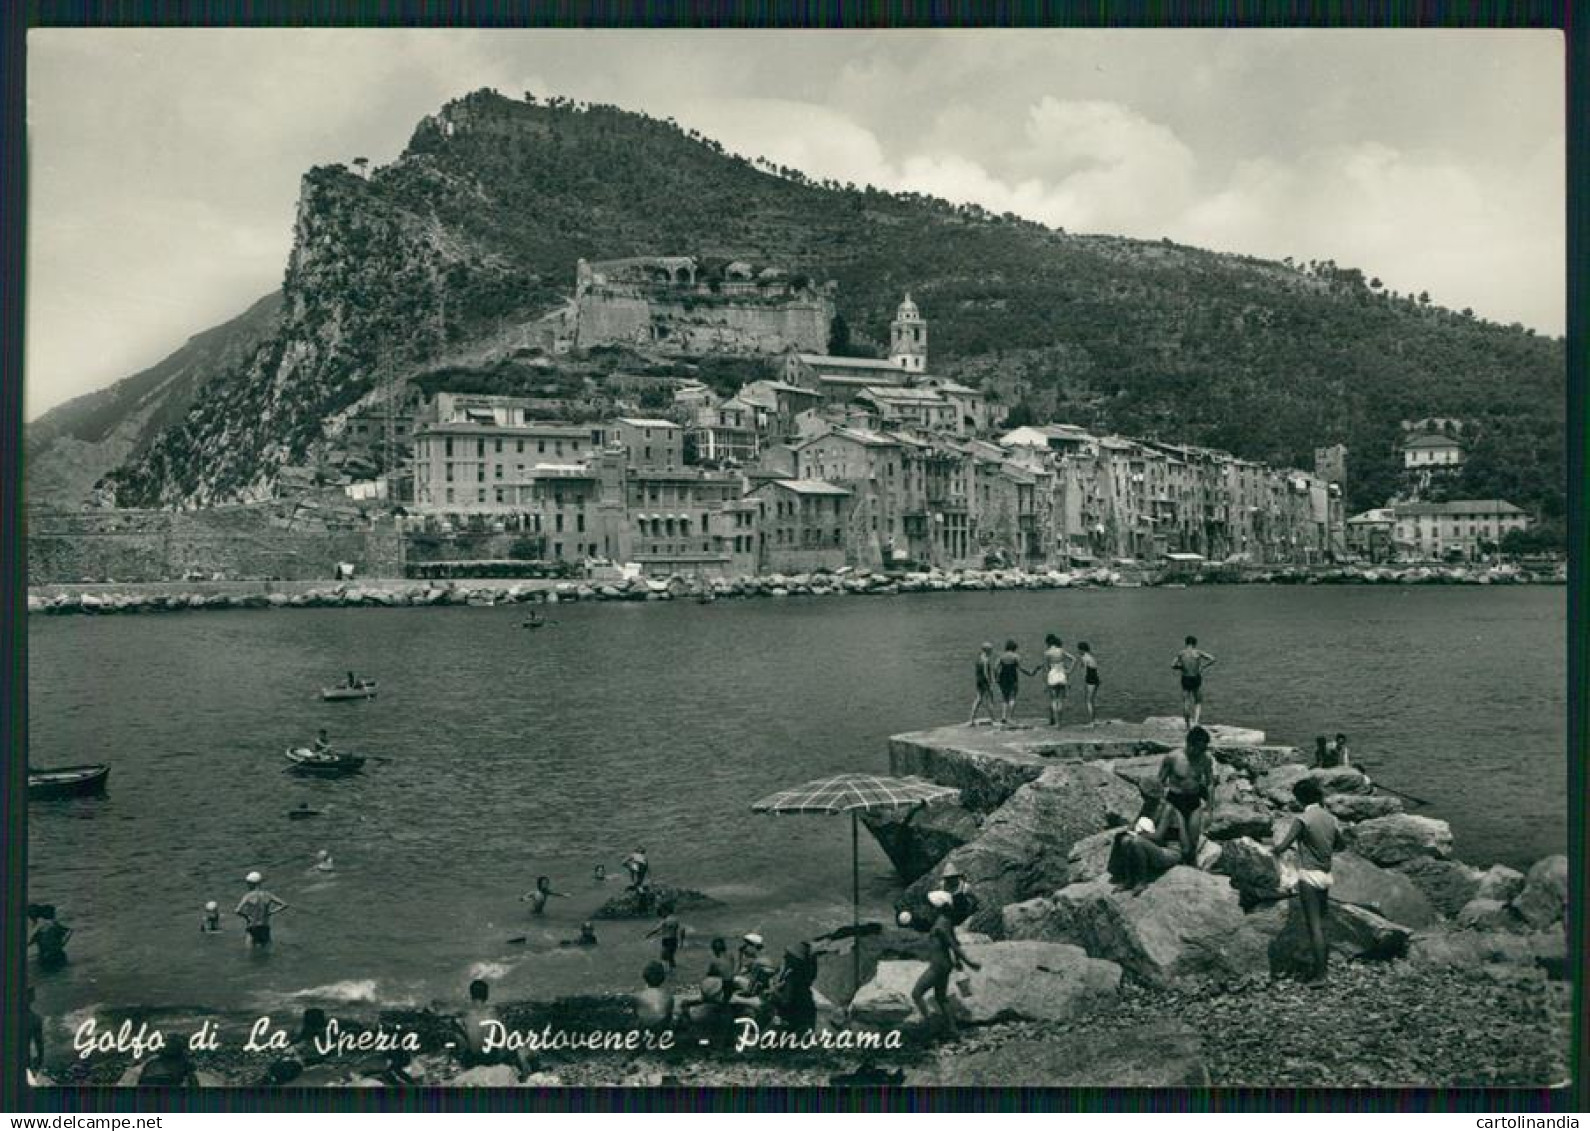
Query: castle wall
x=693 y=326
x=139 y=546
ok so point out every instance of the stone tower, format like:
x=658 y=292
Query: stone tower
x=908 y=338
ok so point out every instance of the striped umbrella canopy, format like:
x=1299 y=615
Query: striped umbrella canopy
x=846 y=793
x=854 y=794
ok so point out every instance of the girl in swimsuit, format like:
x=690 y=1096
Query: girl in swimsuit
x=1090 y=677
x=984 y=674
x=1057 y=662
x=1008 y=672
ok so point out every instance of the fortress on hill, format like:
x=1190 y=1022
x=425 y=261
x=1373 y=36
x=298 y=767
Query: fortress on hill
x=689 y=306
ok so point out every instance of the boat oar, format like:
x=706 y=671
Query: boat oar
x=1398 y=792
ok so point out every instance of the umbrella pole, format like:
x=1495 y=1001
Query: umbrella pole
x=855 y=903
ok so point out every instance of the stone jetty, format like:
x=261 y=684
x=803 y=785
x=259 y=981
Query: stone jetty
x=1032 y=829
x=102 y=598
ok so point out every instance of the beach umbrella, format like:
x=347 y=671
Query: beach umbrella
x=855 y=794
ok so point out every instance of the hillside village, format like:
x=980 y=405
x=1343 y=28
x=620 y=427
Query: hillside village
x=822 y=462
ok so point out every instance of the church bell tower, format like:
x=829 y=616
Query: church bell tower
x=908 y=338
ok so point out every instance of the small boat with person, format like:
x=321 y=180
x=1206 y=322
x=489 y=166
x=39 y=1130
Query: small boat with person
x=67 y=781
x=323 y=764
x=363 y=689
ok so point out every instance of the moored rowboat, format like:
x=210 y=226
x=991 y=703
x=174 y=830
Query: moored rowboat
x=67 y=781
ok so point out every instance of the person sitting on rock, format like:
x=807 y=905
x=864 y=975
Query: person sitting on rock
x=1152 y=846
x=752 y=974
x=791 y=992
x=1339 y=750
x=654 y=1006
x=1318 y=835
x=471 y=1030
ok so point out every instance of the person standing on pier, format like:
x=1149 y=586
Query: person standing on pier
x=1318 y=836
x=984 y=674
x=256 y=908
x=1188 y=776
x=1008 y=673
x=1090 y=679
x=1057 y=665
x=1192 y=663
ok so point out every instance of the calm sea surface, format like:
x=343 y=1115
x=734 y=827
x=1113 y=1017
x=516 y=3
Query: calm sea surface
x=510 y=753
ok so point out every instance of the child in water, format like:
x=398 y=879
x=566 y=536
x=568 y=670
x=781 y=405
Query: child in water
x=212 y=918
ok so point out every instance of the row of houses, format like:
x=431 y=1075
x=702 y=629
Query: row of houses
x=829 y=491
x=1460 y=528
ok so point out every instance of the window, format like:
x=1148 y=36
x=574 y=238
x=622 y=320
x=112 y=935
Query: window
x=499 y=447
x=449 y=473
x=519 y=447
x=480 y=494
x=541 y=446
x=480 y=449
x=449 y=447
x=579 y=522
x=498 y=472
x=449 y=494
x=559 y=527
x=648 y=453
x=480 y=473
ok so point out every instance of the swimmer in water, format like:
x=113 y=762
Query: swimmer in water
x=211 y=922
x=323 y=861
x=537 y=899
x=600 y=874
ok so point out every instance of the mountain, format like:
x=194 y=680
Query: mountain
x=73 y=445
x=479 y=223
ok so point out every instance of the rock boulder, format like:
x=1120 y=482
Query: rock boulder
x=1447 y=884
x=1362 y=806
x=1350 y=932
x=1186 y=924
x=1037 y=981
x=915 y=840
x=630 y=904
x=1545 y=894
x=1389 y=894
x=1501 y=883
x=1489 y=915
x=1401 y=836
x=1026 y=844
x=1252 y=869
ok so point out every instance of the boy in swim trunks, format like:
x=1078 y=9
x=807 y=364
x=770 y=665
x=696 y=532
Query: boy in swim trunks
x=1318 y=836
x=1192 y=663
x=984 y=674
x=1188 y=776
x=669 y=930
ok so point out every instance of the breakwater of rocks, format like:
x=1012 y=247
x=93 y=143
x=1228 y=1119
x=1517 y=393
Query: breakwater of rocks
x=102 y=599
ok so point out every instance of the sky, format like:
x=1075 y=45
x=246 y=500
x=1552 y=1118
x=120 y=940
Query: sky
x=165 y=163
